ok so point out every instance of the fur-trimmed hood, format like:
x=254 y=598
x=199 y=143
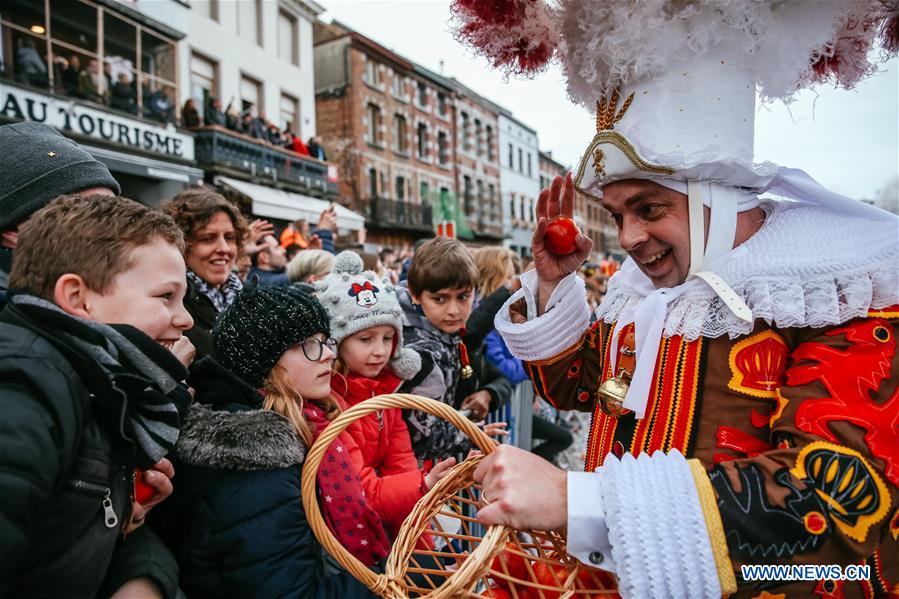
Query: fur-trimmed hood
x=243 y=440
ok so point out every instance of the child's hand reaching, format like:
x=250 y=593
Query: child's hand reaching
x=437 y=473
x=496 y=429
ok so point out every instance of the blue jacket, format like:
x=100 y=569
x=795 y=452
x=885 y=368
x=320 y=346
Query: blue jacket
x=274 y=278
x=499 y=355
x=235 y=521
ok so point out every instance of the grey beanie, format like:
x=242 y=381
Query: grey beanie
x=357 y=300
x=39 y=165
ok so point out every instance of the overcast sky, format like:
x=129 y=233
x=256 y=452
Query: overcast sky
x=847 y=140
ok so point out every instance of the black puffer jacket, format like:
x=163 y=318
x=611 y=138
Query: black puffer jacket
x=61 y=456
x=236 y=521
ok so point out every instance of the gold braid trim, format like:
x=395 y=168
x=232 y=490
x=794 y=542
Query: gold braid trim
x=606 y=117
x=714 y=527
x=621 y=142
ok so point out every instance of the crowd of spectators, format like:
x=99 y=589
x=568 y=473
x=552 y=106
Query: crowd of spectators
x=251 y=123
x=146 y=348
x=92 y=81
x=87 y=79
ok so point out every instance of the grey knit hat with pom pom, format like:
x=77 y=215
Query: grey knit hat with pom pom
x=357 y=300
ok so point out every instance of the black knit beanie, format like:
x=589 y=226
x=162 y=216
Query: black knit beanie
x=261 y=324
x=39 y=165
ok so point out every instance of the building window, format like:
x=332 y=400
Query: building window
x=372 y=72
x=207 y=8
x=373 y=182
x=480 y=196
x=491 y=197
x=511 y=157
x=531 y=212
x=530 y=172
x=479 y=142
x=203 y=81
x=400 y=189
x=249 y=21
x=491 y=156
x=442 y=147
x=422 y=94
x=441 y=104
x=397 y=85
x=384 y=189
x=402 y=143
x=82 y=66
x=512 y=205
x=289 y=113
x=466 y=194
x=424 y=194
x=288 y=42
x=520 y=161
x=422 y=141
x=374 y=124
x=466 y=134
x=250 y=95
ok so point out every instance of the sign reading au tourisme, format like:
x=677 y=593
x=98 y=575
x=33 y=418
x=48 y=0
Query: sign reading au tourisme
x=67 y=115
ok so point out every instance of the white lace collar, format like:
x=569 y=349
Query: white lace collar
x=806 y=267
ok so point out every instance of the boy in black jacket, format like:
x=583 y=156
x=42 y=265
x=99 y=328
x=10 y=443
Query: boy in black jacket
x=85 y=403
x=437 y=303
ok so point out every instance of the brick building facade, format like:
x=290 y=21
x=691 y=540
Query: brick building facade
x=389 y=128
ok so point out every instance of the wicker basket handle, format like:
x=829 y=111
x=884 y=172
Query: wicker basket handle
x=376 y=582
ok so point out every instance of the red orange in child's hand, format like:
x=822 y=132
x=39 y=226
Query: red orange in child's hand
x=142 y=491
x=560 y=236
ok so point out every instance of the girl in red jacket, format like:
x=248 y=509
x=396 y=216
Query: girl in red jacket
x=367 y=322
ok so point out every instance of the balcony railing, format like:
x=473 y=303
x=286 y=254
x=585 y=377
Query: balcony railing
x=222 y=151
x=391 y=213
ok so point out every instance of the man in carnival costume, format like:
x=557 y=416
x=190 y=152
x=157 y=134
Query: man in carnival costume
x=743 y=370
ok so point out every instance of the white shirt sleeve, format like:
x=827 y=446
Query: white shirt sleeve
x=588 y=533
x=566 y=318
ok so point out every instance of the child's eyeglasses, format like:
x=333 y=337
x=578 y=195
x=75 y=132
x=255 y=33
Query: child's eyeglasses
x=313 y=348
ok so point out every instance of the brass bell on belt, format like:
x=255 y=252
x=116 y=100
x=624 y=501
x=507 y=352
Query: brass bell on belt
x=467 y=372
x=611 y=393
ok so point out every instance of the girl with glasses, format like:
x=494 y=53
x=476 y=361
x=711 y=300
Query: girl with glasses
x=237 y=523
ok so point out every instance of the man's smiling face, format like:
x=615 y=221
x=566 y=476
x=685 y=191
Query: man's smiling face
x=653 y=228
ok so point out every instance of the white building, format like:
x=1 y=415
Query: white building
x=519 y=181
x=106 y=75
x=255 y=55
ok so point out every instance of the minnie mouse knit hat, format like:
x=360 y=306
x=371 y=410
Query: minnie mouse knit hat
x=357 y=300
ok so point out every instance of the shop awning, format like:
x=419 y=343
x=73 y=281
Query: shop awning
x=143 y=166
x=285 y=205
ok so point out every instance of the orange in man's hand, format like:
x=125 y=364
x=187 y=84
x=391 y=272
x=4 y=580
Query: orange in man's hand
x=561 y=233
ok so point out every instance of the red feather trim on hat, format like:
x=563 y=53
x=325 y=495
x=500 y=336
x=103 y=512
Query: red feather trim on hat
x=844 y=61
x=517 y=36
x=889 y=27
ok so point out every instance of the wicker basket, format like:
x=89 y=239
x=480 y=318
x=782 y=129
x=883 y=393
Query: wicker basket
x=439 y=552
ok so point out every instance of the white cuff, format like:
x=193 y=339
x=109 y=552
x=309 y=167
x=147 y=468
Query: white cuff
x=566 y=318
x=657 y=528
x=588 y=535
